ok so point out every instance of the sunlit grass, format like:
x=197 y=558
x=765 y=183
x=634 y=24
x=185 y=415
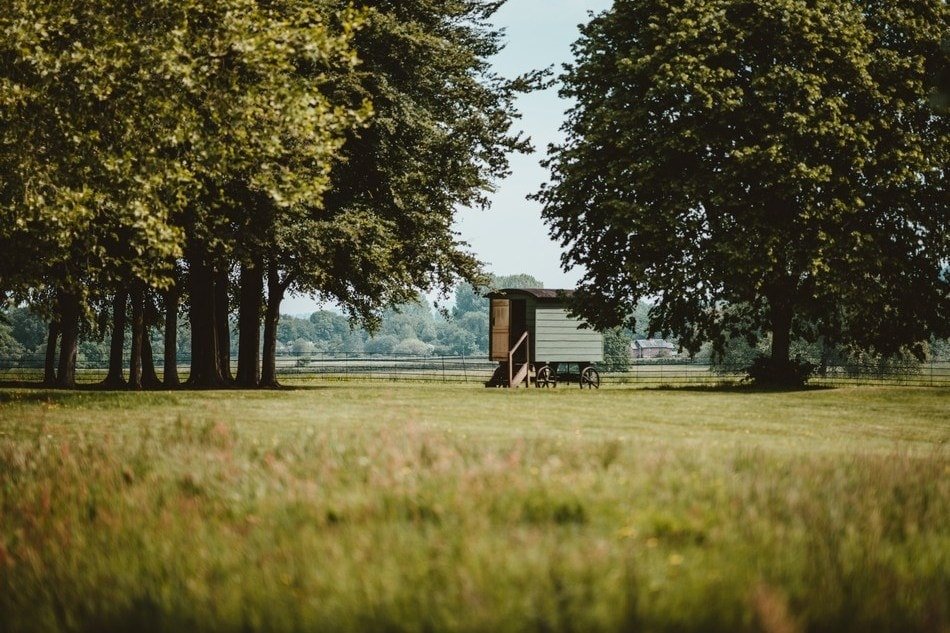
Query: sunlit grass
x=410 y=507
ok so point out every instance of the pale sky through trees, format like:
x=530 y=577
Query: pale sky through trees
x=509 y=236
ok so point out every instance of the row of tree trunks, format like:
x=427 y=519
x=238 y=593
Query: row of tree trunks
x=205 y=359
x=141 y=358
x=210 y=332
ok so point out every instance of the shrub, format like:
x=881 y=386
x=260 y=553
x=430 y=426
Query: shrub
x=765 y=372
x=413 y=347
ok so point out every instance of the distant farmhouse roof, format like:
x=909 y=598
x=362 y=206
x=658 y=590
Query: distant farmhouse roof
x=653 y=343
x=652 y=348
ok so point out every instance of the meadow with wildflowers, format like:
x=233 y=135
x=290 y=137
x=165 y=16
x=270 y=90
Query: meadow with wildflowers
x=394 y=507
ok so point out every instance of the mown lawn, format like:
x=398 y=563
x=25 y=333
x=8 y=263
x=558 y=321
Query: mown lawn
x=393 y=507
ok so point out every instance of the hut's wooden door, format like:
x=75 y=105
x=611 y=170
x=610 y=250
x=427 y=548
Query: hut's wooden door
x=500 y=327
x=519 y=323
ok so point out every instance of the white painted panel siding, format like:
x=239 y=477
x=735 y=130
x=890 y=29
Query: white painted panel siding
x=556 y=338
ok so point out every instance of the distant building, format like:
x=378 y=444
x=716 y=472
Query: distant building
x=651 y=348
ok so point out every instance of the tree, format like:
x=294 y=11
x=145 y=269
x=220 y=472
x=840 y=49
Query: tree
x=127 y=134
x=412 y=347
x=255 y=101
x=10 y=349
x=439 y=137
x=780 y=157
x=617 y=343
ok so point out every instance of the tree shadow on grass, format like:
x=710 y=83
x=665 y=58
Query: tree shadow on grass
x=740 y=388
x=33 y=394
x=38 y=392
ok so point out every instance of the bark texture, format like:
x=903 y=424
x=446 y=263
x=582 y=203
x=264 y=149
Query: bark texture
x=137 y=298
x=69 y=341
x=275 y=294
x=116 y=375
x=249 y=326
x=205 y=360
x=170 y=375
x=222 y=314
x=49 y=365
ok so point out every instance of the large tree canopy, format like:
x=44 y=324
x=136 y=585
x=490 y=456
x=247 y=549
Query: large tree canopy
x=439 y=138
x=780 y=157
x=125 y=128
x=149 y=152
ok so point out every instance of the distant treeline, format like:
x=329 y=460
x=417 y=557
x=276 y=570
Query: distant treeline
x=413 y=329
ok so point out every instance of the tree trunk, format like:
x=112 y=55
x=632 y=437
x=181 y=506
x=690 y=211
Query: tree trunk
x=69 y=342
x=49 y=365
x=115 y=377
x=275 y=294
x=138 y=332
x=779 y=370
x=222 y=325
x=781 y=318
x=149 y=376
x=205 y=361
x=249 y=326
x=170 y=377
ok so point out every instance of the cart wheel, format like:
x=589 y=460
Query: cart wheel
x=590 y=378
x=545 y=378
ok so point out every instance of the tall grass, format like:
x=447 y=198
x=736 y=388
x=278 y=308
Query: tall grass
x=379 y=508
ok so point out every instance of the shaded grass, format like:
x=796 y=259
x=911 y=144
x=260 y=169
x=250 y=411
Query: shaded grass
x=408 y=508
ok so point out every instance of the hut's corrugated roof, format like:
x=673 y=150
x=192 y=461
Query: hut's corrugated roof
x=537 y=293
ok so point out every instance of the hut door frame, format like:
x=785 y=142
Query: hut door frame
x=500 y=314
x=518 y=325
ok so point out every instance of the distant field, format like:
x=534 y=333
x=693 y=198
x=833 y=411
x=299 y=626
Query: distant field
x=401 y=507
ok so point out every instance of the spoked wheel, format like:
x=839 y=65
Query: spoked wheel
x=545 y=378
x=590 y=378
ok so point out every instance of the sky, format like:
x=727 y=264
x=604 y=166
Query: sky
x=509 y=236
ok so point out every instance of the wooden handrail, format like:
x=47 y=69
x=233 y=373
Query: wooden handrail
x=511 y=357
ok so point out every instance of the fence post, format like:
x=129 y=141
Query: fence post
x=464 y=372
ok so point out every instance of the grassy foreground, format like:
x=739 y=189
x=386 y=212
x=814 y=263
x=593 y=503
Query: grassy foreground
x=424 y=508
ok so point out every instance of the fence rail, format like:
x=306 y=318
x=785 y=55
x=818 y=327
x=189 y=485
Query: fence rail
x=461 y=369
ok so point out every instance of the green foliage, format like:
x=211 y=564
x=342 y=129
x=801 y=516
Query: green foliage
x=454 y=509
x=384 y=344
x=26 y=327
x=765 y=372
x=128 y=133
x=166 y=143
x=617 y=343
x=468 y=298
x=439 y=138
x=779 y=157
x=412 y=347
x=10 y=349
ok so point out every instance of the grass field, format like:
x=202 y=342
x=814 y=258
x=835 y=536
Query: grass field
x=395 y=507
